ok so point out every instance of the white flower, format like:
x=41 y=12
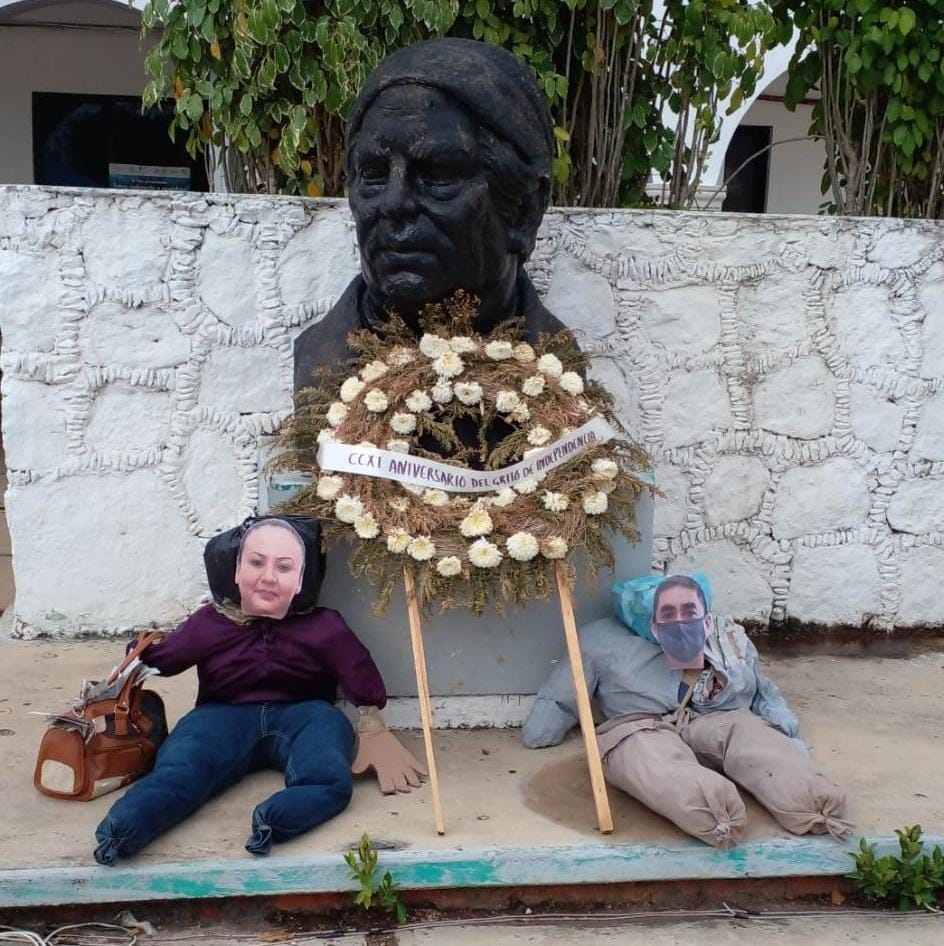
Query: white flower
x=373 y=370
x=554 y=547
x=399 y=504
x=523 y=353
x=469 y=392
x=350 y=389
x=399 y=357
x=522 y=546
x=555 y=502
x=504 y=497
x=595 y=503
x=403 y=423
x=550 y=365
x=528 y=485
x=419 y=401
x=539 y=436
x=348 y=508
x=442 y=392
x=534 y=385
x=476 y=522
x=432 y=346
x=366 y=526
x=398 y=446
x=449 y=566
x=484 y=554
x=571 y=382
x=507 y=401
x=326 y=435
x=336 y=414
x=435 y=497
x=448 y=365
x=604 y=469
x=520 y=414
x=376 y=401
x=329 y=486
x=398 y=540
x=421 y=548
x=462 y=344
x=499 y=351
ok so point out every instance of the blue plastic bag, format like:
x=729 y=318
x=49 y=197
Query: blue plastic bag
x=632 y=601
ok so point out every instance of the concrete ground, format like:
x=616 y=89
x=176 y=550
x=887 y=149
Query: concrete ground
x=820 y=929
x=825 y=930
x=875 y=725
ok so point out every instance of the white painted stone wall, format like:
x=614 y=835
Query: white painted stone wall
x=787 y=375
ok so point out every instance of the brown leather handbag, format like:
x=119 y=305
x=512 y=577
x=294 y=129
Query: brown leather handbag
x=108 y=739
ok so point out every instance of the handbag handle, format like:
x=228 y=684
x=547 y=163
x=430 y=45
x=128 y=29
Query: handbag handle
x=123 y=703
x=145 y=639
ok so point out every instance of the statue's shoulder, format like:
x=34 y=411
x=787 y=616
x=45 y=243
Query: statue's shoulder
x=539 y=320
x=325 y=342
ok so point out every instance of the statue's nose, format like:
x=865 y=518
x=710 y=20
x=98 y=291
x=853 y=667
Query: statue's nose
x=399 y=199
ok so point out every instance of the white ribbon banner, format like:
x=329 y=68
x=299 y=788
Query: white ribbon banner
x=404 y=468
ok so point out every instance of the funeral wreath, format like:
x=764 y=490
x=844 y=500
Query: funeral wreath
x=477 y=461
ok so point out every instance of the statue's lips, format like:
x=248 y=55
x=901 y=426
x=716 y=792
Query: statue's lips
x=404 y=257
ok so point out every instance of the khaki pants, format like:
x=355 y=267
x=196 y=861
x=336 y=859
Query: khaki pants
x=686 y=769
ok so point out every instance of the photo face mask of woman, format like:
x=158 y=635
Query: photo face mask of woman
x=269 y=572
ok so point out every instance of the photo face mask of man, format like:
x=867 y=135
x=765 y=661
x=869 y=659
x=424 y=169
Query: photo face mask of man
x=678 y=624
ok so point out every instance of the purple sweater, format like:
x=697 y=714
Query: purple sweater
x=305 y=657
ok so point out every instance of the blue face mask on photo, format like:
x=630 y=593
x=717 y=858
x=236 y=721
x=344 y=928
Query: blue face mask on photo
x=683 y=641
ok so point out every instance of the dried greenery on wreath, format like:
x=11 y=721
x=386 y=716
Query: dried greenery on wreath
x=468 y=400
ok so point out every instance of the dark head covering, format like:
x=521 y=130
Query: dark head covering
x=495 y=86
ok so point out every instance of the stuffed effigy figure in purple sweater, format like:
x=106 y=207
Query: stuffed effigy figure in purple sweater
x=268 y=681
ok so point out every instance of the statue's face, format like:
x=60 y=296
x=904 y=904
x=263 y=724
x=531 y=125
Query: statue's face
x=426 y=221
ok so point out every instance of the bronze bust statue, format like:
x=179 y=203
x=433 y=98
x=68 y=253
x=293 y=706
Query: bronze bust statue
x=449 y=150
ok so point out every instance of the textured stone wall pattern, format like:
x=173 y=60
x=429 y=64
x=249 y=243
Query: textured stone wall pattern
x=786 y=374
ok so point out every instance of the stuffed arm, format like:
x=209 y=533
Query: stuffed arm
x=554 y=712
x=768 y=702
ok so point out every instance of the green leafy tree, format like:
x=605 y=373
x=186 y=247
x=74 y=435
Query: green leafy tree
x=878 y=69
x=262 y=85
x=616 y=71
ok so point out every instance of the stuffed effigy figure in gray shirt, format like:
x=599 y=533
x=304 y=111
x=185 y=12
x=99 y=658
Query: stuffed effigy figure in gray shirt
x=689 y=716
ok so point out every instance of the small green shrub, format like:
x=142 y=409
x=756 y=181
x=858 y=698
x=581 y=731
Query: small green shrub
x=363 y=865
x=915 y=878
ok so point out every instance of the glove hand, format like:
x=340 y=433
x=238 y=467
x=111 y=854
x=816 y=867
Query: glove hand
x=397 y=770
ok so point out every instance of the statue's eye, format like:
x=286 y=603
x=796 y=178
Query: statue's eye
x=373 y=173
x=439 y=176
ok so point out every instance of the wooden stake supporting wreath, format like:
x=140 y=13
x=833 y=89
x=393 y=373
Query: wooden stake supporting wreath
x=588 y=730
x=422 y=692
x=475 y=467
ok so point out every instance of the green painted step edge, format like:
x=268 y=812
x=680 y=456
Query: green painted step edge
x=475 y=867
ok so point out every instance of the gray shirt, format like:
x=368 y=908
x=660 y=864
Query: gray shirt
x=627 y=674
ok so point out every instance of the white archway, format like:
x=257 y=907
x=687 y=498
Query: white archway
x=775 y=65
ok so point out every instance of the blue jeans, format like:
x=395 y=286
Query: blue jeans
x=213 y=747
